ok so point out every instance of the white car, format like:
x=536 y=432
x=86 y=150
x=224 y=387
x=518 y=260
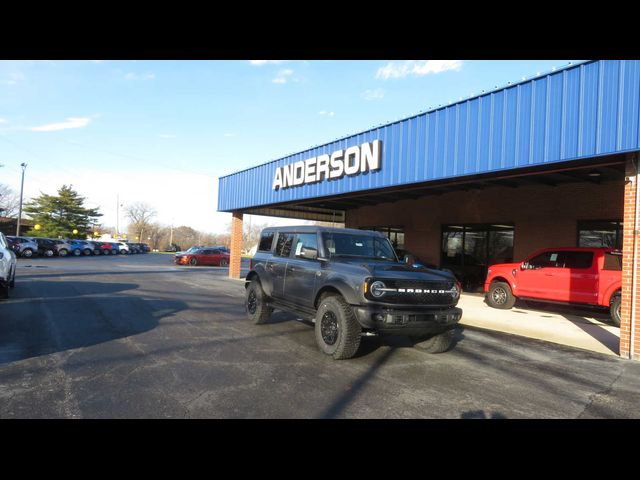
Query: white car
x=123 y=247
x=7 y=267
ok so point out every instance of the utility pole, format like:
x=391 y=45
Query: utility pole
x=24 y=166
x=118 y=214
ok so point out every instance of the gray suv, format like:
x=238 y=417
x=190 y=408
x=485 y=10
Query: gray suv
x=23 y=246
x=350 y=284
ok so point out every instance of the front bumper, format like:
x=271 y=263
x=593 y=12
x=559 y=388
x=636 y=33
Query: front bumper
x=407 y=322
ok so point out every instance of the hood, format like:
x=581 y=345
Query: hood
x=396 y=270
x=505 y=266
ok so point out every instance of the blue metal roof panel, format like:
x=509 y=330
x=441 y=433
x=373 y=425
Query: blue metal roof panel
x=577 y=112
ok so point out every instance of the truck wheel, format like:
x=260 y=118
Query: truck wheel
x=500 y=296
x=614 y=311
x=337 y=330
x=256 y=304
x=435 y=344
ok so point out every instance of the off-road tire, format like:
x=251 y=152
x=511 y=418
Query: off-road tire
x=614 y=311
x=337 y=331
x=435 y=344
x=500 y=296
x=256 y=303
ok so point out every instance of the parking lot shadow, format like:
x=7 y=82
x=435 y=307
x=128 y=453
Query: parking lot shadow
x=47 y=317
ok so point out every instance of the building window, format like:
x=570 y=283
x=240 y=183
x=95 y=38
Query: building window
x=468 y=250
x=394 y=234
x=600 y=233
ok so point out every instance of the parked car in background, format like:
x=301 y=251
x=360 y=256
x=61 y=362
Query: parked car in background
x=123 y=248
x=94 y=247
x=144 y=248
x=7 y=267
x=23 y=246
x=582 y=276
x=61 y=247
x=79 y=247
x=204 y=256
x=46 y=246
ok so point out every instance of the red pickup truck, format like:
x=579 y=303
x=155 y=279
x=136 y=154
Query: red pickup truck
x=586 y=276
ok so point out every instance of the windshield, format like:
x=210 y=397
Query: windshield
x=355 y=245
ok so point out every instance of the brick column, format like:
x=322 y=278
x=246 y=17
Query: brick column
x=628 y=282
x=236 y=245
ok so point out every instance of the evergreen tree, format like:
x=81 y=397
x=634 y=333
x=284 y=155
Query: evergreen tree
x=58 y=215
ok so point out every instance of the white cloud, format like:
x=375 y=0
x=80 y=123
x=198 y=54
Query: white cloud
x=14 y=78
x=166 y=135
x=325 y=113
x=376 y=94
x=259 y=63
x=137 y=76
x=416 y=67
x=72 y=122
x=283 y=75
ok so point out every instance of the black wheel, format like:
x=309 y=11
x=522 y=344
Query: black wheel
x=77 y=252
x=48 y=253
x=256 y=303
x=193 y=261
x=436 y=343
x=337 y=330
x=614 y=311
x=27 y=253
x=87 y=252
x=106 y=252
x=63 y=252
x=500 y=296
x=224 y=262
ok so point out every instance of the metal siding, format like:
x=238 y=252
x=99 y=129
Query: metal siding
x=585 y=110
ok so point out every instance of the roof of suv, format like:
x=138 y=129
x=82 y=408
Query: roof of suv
x=317 y=228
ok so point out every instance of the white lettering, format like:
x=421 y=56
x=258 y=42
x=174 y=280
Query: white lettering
x=288 y=176
x=370 y=156
x=352 y=161
x=337 y=167
x=310 y=170
x=298 y=173
x=322 y=167
x=352 y=153
x=277 y=180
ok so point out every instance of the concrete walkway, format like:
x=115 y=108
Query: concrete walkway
x=581 y=328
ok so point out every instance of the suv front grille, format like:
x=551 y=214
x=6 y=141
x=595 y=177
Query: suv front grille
x=419 y=292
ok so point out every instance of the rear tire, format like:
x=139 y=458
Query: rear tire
x=435 y=344
x=337 y=331
x=614 y=311
x=256 y=303
x=224 y=262
x=500 y=296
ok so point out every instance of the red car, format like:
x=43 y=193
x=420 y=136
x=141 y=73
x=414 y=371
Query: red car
x=204 y=256
x=586 y=276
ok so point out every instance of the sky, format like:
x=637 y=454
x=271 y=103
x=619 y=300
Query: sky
x=163 y=131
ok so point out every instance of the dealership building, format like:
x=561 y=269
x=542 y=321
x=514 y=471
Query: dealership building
x=547 y=162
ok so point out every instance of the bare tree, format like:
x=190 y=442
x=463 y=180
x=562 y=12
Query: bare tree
x=9 y=201
x=140 y=215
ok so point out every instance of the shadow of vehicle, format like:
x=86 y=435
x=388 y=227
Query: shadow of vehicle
x=48 y=317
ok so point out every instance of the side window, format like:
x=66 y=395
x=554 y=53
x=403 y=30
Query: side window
x=612 y=261
x=578 y=259
x=266 y=241
x=284 y=244
x=307 y=246
x=546 y=259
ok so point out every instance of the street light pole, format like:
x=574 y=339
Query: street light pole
x=24 y=166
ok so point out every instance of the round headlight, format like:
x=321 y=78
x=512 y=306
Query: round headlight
x=375 y=288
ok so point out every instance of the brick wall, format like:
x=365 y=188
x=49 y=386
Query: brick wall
x=627 y=268
x=543 y=215
x=236 y=245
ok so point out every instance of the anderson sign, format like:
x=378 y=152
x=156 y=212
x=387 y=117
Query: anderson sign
x=352 y=161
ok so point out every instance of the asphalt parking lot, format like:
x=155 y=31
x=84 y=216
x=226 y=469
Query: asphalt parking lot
x=138 y=337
